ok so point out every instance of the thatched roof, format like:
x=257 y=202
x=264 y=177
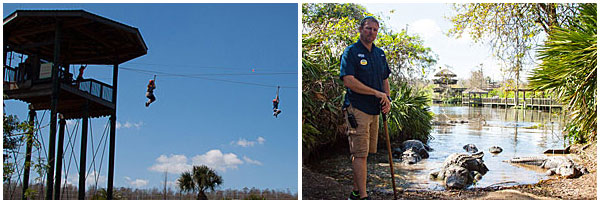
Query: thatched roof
x=474 y=90
x=445 y=73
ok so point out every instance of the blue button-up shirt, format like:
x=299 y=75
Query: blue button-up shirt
x=370 y=68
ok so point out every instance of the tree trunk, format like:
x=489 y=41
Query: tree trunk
x=201 y=196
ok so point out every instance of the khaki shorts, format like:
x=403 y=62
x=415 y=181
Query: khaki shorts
x=363 y=138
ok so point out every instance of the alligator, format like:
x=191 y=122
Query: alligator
x=460 y=170
x=471 y=148
x=559 y=165
x=442 y=123
x=495 y=149
x=412 y=151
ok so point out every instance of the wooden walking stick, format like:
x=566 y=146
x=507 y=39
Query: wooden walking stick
x=389 y=148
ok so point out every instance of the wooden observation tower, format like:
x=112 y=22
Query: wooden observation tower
x=445 y=79
x=52 y=40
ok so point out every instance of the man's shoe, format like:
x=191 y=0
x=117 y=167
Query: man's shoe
x=366 y=198
x=354 y=195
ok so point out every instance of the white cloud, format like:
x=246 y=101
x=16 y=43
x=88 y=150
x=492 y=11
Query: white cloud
x=71 y=122
x=214 y=159
x=247 y=143
x=172 y=164
x=137 y=182
x=217 y=160
x=250 y=161
x=89 y=181
x=427 y=28
x=128 y=124
x=261 y=140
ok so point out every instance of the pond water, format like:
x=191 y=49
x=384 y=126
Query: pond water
x=518 y=132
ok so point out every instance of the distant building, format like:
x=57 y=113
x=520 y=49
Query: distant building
x=445 y=79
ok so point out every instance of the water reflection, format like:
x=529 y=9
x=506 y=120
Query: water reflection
x=518 y=132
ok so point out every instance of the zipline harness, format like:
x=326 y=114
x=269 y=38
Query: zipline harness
x=276 y=110
x=150 y=91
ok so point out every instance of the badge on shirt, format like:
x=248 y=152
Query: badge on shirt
x=361 y=55
x=363 y=62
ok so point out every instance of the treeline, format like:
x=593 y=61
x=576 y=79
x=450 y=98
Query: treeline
x=70 y=192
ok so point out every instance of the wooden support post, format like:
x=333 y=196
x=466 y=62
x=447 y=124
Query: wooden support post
x=59 y=156
x=543 y=94
x=53 y=112
x=28 y=149
x=505 y=99
x=6 y=34
x=113 y=128
x=524 y=100
x=532 y=100
x=517 y=97
x=68 y=75
x=469 y=99
x=481 y=99
x=82 y=157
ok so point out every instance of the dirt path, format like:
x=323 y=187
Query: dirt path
x=512 y=195
x=318 y=182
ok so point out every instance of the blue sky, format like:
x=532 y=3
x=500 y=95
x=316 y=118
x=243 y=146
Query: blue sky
x=429 y=22
x=226 y=125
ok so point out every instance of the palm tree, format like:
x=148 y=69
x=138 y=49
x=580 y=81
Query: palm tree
x=199 y=180
x=569 y=62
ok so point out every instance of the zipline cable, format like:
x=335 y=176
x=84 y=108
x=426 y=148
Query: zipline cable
x=199 y=76
x=187 y=66
x=206 y=74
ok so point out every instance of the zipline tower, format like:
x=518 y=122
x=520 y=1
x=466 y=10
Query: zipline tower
x=445 y=79
x=53 y=40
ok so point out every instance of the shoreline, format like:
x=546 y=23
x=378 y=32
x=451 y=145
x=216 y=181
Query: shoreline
x=317 y=184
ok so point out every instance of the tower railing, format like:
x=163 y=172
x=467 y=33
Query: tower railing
x=95 y=88
x=90 y=86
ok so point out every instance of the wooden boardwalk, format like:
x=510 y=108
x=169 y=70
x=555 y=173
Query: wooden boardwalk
x=538 y=103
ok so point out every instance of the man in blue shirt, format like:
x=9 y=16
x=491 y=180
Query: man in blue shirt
x=364 y=71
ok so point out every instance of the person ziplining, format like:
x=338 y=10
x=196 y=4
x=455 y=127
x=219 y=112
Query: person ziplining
x=276 y=110
x=152 y=84
x=150 y=91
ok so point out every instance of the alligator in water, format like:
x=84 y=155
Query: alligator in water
x=560 y=165
x=412 y=151
x=495 y=149
x=460 y=170
x=471 y=148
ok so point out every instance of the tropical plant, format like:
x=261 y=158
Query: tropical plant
x=569 y=63
x=408 y=58
x=13 y=137
x=200 y=179
x=328 y=29
x=410 y=117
